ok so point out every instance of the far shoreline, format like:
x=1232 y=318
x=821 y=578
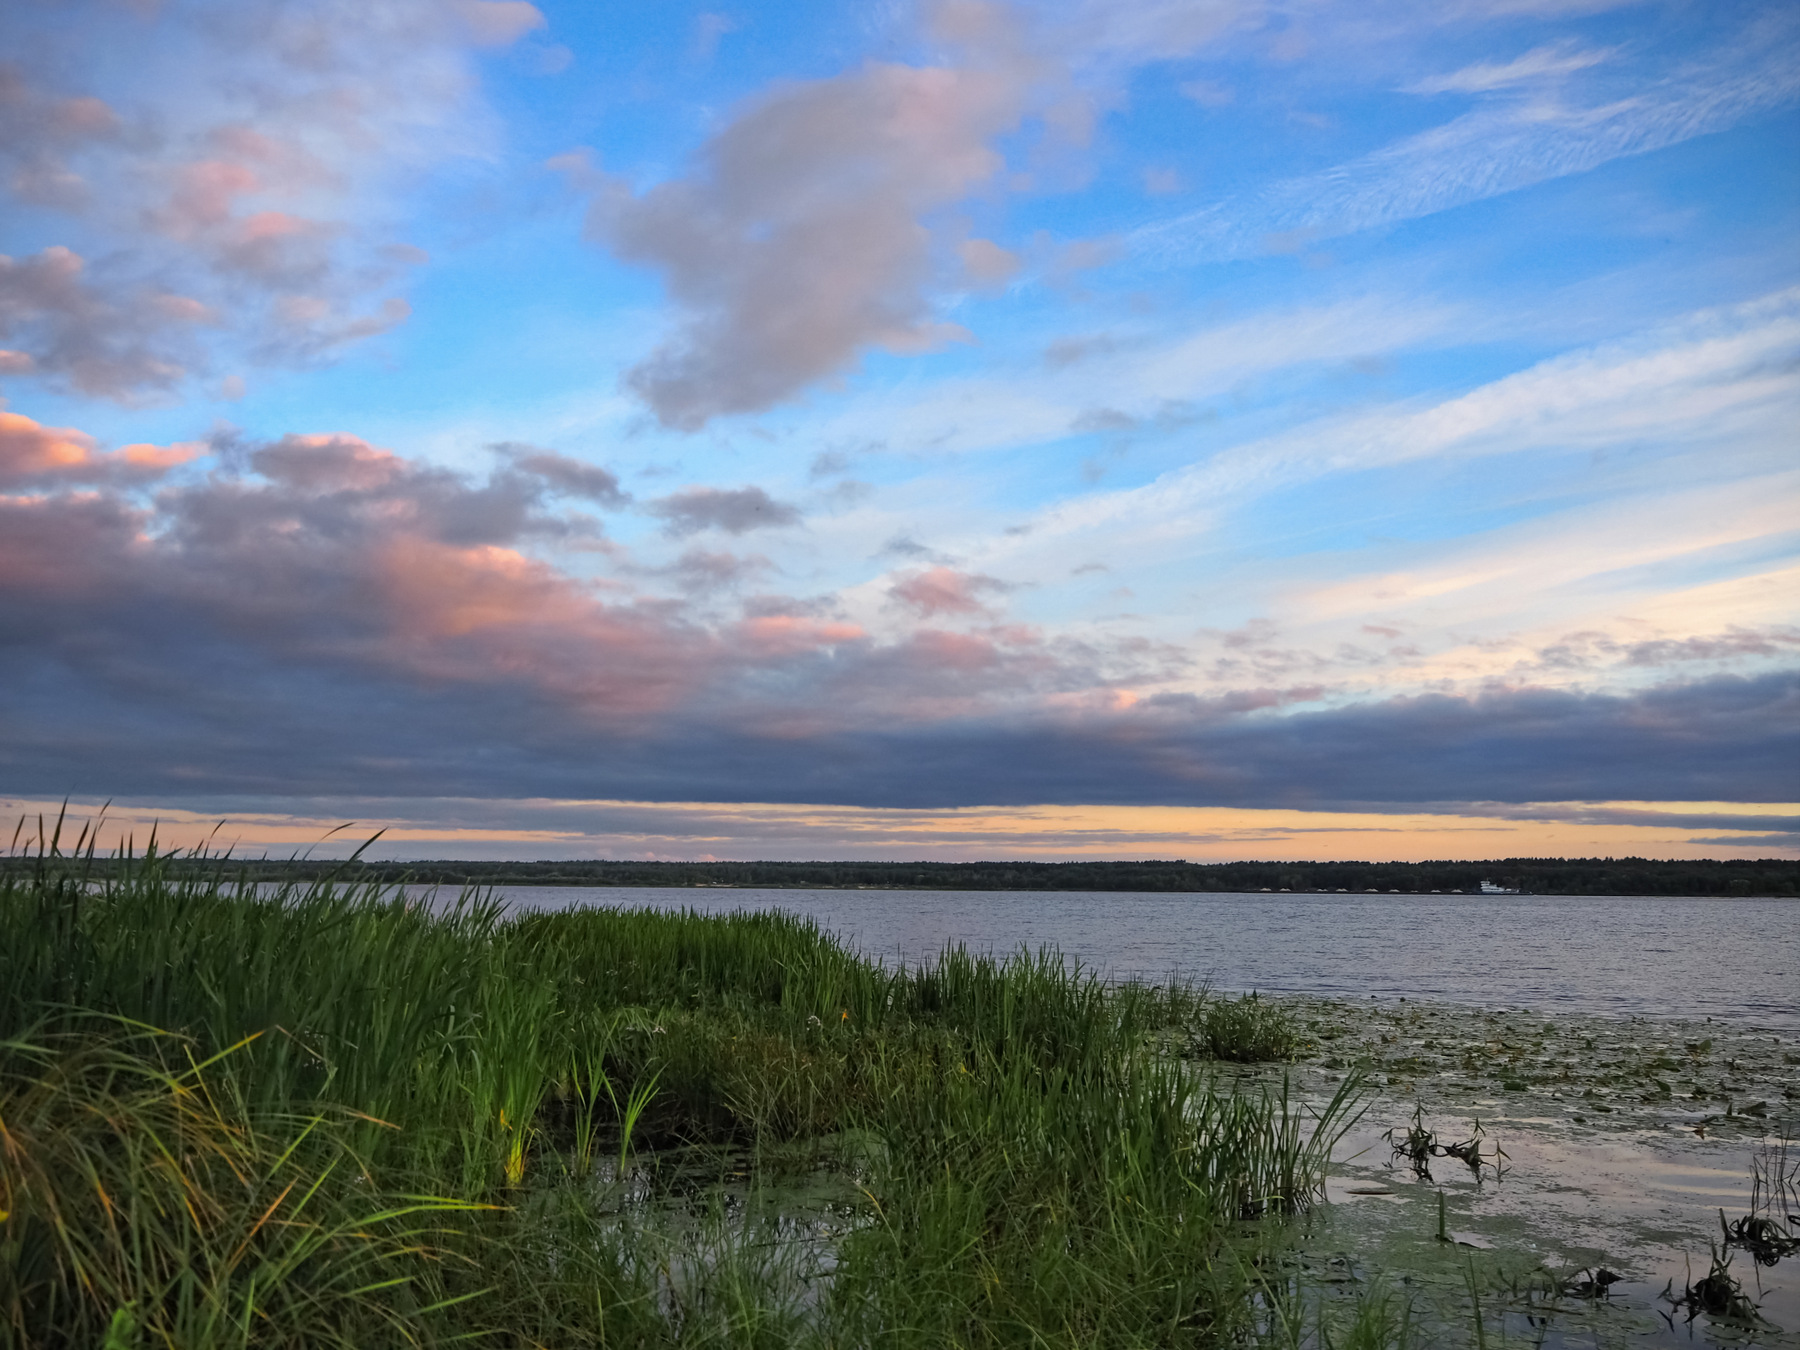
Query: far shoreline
x=1708 y=878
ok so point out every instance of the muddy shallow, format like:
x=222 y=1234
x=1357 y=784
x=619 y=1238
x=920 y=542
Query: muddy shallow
x=1623 y=1139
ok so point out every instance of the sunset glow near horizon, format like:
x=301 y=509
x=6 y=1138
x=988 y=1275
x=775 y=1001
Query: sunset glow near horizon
x=1085 y=429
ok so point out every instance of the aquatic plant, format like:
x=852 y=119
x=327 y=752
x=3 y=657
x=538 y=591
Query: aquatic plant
x=1247 y=1030
x=1771 y=1230
x=1416 y=1145
x=1718 y=1293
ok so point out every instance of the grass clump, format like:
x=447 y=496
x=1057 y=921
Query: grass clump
x=1248 y=1030
x=241 y=1115
x=143 y=1202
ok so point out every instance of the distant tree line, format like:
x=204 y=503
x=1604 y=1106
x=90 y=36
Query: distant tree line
x=1541 y=876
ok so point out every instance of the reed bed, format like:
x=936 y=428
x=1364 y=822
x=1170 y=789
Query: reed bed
x=321 y=1114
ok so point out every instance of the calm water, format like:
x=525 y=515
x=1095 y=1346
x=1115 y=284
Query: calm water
x=1737 y=960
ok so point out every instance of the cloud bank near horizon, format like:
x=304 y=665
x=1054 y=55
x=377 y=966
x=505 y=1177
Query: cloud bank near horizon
x=412 y=829
x=319 y=615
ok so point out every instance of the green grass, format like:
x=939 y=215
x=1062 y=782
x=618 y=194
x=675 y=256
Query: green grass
x=329 y=1115
x=1248 y=1030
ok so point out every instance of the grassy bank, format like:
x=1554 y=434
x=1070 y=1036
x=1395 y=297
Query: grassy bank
x=322 y=1115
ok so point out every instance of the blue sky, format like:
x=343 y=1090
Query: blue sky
x=1366 y=429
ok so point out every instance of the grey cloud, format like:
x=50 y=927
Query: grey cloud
x=905 y=546
x=1632 y=815
x=848 y=493
x=1103 y=419
x=114 y=341
x=700 y=570
x=1745 y=840
x=356 y=576
x=733 y=510
x=1586 y=650
x=342 y=620
x=1064 y=352
x=570 y=477
x=115 y=714
x=796 y=238
x=342 y=485
x=791 y=607
x=41 y=134
x=827 y=463
x=1723 y=646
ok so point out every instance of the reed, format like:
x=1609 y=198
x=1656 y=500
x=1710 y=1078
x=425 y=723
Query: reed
x=142 y=1201
x=251 y=1086
x=1248 y=1030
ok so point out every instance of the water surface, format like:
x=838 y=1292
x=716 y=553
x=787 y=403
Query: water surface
x=1736 y=960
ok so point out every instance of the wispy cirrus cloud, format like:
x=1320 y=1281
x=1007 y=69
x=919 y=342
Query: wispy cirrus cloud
x=1483 y=77
x=1503 y=145
x=1723 y=371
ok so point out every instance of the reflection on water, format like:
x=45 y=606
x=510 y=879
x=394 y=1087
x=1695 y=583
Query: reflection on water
x=1736 y=960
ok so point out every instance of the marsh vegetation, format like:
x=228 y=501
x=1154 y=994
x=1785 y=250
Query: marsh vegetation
x=326 y=1115
x=321 y=1113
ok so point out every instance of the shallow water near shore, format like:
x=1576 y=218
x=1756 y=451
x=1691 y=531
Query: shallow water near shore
x=1734 y=960
x=1623 y=1141
x=1630 y=1055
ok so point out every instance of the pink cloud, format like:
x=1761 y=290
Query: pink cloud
x=203 y=196
x=434 y=590
x=343 y=555
x=32 y=453
x=944 y=590
x=322 y=605
x=780 y=635
x=332 y=554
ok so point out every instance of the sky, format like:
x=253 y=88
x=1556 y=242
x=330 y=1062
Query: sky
x=1088 y=428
